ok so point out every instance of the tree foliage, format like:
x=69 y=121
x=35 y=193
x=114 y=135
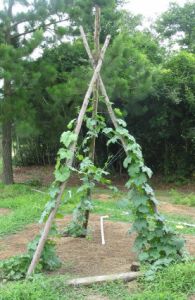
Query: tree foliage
x=179 y=22
x=153 y=89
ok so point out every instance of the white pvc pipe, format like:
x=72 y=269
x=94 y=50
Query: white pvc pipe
x=102 y=228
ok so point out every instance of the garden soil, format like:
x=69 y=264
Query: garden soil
x=85 y=257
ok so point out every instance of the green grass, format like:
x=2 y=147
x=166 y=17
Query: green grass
x=180 y=228
x=24 y=204
x=27 y=205
x=181 y=198
x=176 y=197
x=175 y=282
x=116 y=207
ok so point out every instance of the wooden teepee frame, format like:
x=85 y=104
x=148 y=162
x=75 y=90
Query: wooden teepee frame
x=96 y=85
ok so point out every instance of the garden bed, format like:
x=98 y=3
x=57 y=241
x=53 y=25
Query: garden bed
x=86 y=257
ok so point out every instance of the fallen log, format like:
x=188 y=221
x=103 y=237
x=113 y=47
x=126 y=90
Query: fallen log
x=130 y=276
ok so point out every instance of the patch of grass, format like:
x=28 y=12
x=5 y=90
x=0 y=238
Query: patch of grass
x=27 y=205
x=41 y=288
x=113 y=206
x=181 y=198
x=24 y=204
x=175 y=282
x=114 y=210
x=180 y=228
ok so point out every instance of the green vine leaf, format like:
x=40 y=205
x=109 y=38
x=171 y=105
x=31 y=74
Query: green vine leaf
x=62 y=174
x=127 y=162
x=143 y=256
x=118 y=112
x=107 y=131
x=147 y=170
x=71 y=124
x=113 y=140
x=54 y=191
x=64 y=154
x=122 y=123
x=67 y=138
x=133 y=169
x=80 y=157
x=122 y=131
x=48 y=207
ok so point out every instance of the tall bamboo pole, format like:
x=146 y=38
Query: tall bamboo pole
x=106 y=98
x=51 y=217
x=96 y=85
x=95 y=98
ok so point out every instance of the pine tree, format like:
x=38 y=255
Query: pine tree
x=22 y=27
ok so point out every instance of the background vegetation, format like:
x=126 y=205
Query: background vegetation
x=152 y=84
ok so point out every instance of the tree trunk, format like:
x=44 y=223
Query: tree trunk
x=6 y=122
x=7 y=152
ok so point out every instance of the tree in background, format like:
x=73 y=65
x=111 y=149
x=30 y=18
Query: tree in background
x=63 y=72
x=82 y=13
x=173 y=124
x=154 y=90
x=178 y=22
x=20 y=33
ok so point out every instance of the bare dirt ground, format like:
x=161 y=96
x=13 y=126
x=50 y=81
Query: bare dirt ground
x=180 y=210
x=85 y=257
x=82 y=256
x=45 y=175
x=4 y=211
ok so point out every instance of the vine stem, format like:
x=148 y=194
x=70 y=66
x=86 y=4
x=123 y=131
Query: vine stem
x=69 y=163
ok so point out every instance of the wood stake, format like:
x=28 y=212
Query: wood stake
x=96 y=85
x=106 y=98
x=51 y=217
x=95 y=100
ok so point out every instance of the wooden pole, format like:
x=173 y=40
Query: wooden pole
x=95 y=99
x=106 y=98
x=102 y=87
x=51 y=217
x=96 y=85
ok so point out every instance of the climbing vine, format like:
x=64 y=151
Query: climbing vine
x=155 y=243
x=90 y=175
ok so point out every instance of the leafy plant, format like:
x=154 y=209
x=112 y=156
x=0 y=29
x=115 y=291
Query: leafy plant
x=49 y=260
x=15 y=268
x=89 y=174
x=155 y=243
